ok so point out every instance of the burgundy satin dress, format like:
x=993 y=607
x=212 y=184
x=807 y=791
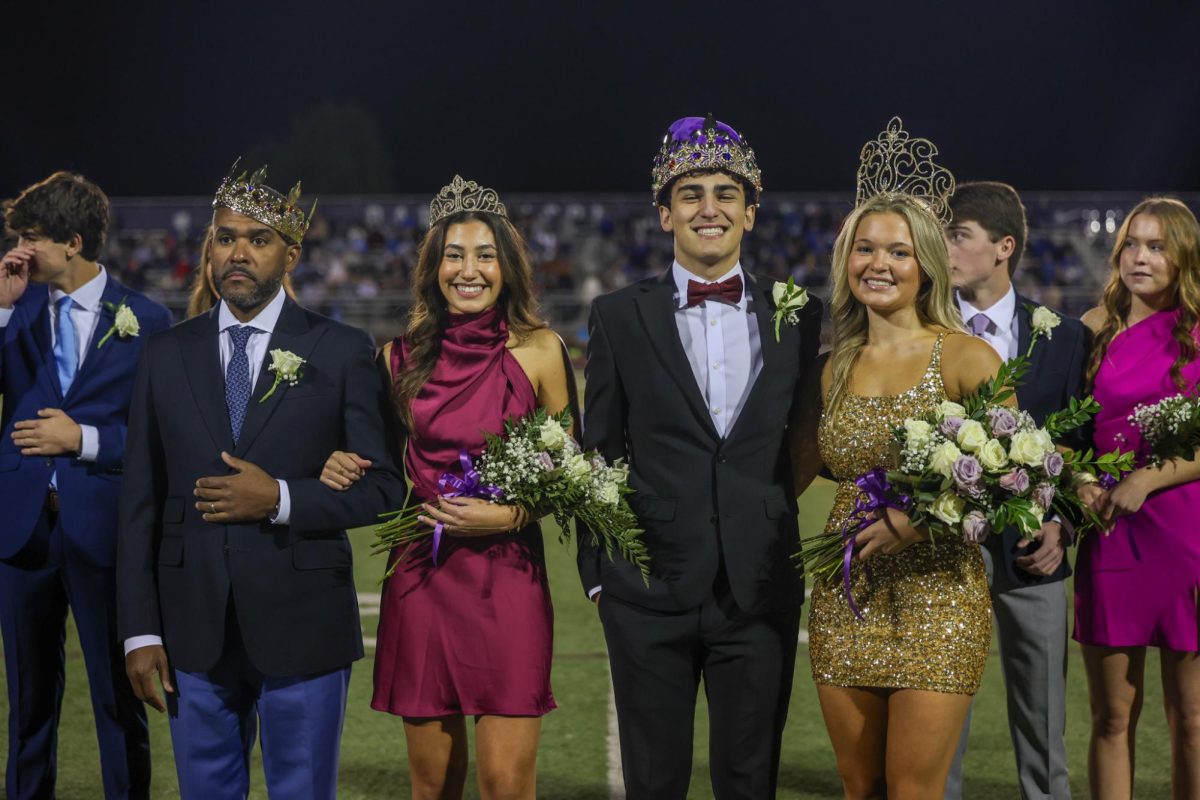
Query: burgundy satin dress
x=473 y=634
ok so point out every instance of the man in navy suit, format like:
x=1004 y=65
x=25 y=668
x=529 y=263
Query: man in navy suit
x=986 y=238
x=236 y=587
x=70 y=338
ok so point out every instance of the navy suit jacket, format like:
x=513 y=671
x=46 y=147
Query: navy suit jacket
x=292 y=586
x=99 y=396
x=703 y=500
x=1057 y=372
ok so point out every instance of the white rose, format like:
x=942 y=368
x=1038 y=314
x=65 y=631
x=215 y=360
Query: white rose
x=948 y=508
x=949 y=408
x=552 y=435
x=1043 y=438
x=992 y=455
x=971 y=436
x=577 y=466
x=917 y=431
x=286 y=363
x=943 y=458
x=1045 y=321
x=609 y=494
x=779 y=292
x=126 y=323
x=1026 y=448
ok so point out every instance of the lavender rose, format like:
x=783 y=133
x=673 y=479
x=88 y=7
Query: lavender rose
x=1004 y=422
x=545 y=460
x=1053 y=464
x=949 y=427
x=1015 y=482
x=1043 y=495
x=967 y=472
x=975 y=527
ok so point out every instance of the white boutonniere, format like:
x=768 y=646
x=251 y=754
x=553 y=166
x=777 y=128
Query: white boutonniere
x=287 y=366
x=789 y=299
x=125 y=324
x=1044 y=321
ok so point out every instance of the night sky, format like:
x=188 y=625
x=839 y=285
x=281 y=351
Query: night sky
x=563 y=96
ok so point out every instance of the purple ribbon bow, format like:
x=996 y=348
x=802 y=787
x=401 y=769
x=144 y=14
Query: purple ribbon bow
x=876 y=493
x=469 y=485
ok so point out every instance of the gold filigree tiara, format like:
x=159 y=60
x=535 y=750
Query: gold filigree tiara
x=895 y=163
x=252 y=198
x=460 y=195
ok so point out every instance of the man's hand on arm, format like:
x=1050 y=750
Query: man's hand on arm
x=1046 y=559
x=141 y=666
x=248 y=495
x=53 y=433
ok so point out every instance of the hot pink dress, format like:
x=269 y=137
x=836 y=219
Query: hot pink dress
x=473 y=634
x=1138 y=586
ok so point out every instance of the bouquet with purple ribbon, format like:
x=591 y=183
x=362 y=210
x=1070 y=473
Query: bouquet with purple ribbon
x=970 y=469
x=534 y=464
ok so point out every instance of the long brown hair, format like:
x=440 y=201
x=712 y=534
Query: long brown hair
x=1182 y=238
x=204 y=295
x=430 y=316
x=935 y=304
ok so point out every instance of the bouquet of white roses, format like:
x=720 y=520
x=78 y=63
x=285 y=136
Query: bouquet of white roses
x=535 y=464
x=1170 y=428
x=973 y=468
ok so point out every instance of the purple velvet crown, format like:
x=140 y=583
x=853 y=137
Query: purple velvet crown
x=704 y=143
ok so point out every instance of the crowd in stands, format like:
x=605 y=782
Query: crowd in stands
x=359 y=253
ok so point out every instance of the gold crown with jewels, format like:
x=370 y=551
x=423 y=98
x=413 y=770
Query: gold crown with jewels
x=460 y=195
x=250 y=197
x=704 y=143
x=895 y=163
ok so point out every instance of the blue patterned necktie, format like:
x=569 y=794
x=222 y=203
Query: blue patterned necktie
x=66 y=348
x=237 y=379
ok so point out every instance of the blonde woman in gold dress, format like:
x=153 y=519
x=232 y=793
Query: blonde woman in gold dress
x=894 y=684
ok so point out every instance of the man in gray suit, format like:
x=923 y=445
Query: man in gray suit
x=985 y=238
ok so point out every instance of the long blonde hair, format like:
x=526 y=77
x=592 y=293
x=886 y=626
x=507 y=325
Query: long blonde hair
x=1182 y=236
x=935 y=304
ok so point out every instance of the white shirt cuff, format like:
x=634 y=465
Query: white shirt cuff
x=285 y=505
x=89 y=443
x=5 y=316
x=595 y=590
x=134 y=642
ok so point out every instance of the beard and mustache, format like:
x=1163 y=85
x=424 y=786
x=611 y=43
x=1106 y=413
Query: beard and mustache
x=260 y=291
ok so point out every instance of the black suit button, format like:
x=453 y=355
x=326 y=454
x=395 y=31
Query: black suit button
x=721 y=459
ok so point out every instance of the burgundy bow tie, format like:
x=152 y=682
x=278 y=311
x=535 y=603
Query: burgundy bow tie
x=726 y=291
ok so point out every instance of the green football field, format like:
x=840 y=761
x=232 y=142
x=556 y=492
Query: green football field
x=573 y=760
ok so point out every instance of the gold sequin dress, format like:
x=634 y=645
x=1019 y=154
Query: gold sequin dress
x=926 y=611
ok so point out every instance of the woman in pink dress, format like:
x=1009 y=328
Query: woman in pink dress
x=467 y=633
x=1137 y=585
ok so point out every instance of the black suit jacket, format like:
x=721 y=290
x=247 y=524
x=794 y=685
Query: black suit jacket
x=292 y=586
x=703 y=500
x=1057 y=372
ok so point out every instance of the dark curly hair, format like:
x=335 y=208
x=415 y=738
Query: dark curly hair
x=59 y=207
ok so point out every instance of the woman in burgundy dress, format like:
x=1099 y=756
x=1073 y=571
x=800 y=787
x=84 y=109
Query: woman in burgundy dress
x=468 y=633
x=1138 y=584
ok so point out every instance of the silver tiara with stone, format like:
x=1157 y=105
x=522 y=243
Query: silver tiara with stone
x=460 y=195
x=895 y=163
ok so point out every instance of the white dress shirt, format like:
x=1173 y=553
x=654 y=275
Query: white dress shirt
x=1003 y=313
x=256 y=351
x=85 y=314
x=722 y=345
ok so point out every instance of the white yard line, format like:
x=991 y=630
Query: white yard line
x=616 y=781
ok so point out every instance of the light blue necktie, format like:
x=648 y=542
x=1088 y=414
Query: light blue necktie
x=66 y=348
x=237 y=378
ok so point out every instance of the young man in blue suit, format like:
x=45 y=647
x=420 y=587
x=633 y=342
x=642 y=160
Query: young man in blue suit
x=236 y=587
x=70 y=338
x=986 y=238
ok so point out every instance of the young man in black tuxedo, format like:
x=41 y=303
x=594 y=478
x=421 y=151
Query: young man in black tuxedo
x=687 y=381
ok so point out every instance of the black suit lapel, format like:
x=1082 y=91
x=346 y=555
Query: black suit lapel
x=764 y=310
x=202 y=364
x=656 y=309
x=289 y=334
x=1024 y=328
